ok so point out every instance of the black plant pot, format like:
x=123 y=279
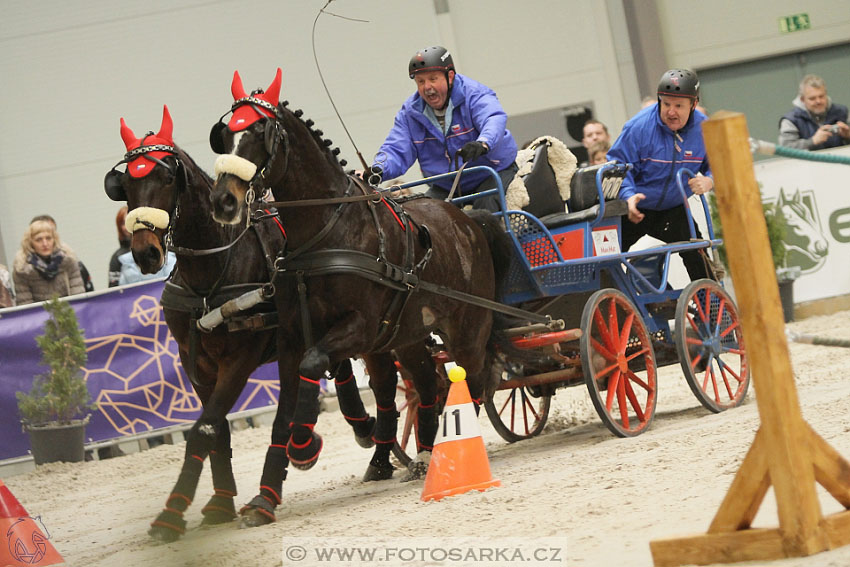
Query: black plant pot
x=54 y=442
x=786 y=296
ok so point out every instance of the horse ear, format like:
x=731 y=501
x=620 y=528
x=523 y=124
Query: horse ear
x=167 y=126
x=130 y=139
x=236 y=88
x=272 y=94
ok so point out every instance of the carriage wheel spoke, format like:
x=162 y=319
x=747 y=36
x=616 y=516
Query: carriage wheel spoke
x=613 y=385
x=714 y=383
x=642 y=352
x=621 y=401
x=726 y=382
x=605 y=333
x=637 y=380
x=626 y=332
x=598 y=347
x=630 y=393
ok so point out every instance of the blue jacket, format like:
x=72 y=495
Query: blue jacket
x=477 y=115
x=657 y=153
x=130 y=272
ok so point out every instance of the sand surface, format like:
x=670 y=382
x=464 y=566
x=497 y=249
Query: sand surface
x=605 y=498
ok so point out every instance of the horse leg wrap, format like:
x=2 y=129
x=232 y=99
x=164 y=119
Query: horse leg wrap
x=385 y=437
x=428 y=424
x=351 y=406
x=220 y=508
x=304 y=446
x=169 y=524
x=260 y=510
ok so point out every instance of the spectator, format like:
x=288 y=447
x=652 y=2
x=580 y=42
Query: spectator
x=7 y=294
x=123 y=247
x=648 y=100
x=670 y=128
x=596 y=152
x=84 y=273
x=130 y=272
x=593 y=131
x=43 y=267
x=448 y=114
x=815 y=122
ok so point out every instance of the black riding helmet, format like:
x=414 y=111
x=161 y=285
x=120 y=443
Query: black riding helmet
x=434 y=58
x=679 y=82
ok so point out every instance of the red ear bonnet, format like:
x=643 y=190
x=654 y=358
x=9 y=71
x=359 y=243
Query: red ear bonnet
x=247 y=114
x=141 y=166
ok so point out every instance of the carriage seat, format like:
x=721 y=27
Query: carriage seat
x=584 y=198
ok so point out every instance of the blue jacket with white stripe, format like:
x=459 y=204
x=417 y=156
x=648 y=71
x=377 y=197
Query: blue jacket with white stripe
x=657 y=153
x=476 y=115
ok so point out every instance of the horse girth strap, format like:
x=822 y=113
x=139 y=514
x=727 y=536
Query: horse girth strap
x=353 y=262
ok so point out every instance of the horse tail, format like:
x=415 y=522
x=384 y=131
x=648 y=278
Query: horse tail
x=501 y=247
x=501 y=252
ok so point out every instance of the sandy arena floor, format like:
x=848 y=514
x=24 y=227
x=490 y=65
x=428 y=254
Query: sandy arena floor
x=607 y=498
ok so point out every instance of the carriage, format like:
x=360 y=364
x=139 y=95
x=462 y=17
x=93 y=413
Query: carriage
x=354 y=272
x=622 y=318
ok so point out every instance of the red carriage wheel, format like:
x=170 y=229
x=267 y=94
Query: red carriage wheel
x=518 y=413
x=618 y=362
x=710 y=346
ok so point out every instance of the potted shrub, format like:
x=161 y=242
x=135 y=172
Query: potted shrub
x=55 y=411
x=776 y=227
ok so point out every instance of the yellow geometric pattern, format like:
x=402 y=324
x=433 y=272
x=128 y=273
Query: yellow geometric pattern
x=142 y=383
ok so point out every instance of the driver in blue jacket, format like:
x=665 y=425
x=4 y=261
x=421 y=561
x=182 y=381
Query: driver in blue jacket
x=448 y=114
x=658 y=141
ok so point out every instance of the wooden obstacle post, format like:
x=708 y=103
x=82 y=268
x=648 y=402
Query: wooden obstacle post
x=786 y=452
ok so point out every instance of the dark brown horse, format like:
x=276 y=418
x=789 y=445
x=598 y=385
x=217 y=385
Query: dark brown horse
x=168 y=199
x=348 y=280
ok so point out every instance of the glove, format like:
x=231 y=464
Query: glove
x=472 y=150
x=374 y=175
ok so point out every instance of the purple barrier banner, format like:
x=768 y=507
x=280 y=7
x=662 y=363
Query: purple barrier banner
x=133 y=372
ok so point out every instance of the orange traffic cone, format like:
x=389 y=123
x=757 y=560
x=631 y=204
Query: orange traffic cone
x=22 y=543
x=459 y=460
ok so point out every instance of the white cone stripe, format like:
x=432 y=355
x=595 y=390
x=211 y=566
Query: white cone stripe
x=458 y=423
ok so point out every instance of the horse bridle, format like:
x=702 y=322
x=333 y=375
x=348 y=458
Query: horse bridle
x=274 y=136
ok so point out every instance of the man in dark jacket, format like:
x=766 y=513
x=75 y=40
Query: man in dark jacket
x=658 y=141
x=815 y=122
x=448 y=114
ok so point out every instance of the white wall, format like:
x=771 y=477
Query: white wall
x=70 y=70
x=706 y=34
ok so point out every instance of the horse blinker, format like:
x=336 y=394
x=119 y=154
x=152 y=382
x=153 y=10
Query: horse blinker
x=217 y=137
x=113 y=186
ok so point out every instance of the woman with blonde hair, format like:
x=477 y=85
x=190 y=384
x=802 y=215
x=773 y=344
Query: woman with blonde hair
x=43 y=268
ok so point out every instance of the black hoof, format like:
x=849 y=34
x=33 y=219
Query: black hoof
x=304 y=456
x=258 y=512
x=255 y=517
x=366 y=440
x=382 y=472
x=417 y=468
x=219 y=510
x=167 y=527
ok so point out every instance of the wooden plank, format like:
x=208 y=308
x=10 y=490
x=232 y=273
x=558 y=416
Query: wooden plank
x=832 y=471
x=746 y=494
x=753 y=274
x=837 y=528
x=730 y=547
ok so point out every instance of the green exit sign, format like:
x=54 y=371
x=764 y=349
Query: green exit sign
x=797 y=22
